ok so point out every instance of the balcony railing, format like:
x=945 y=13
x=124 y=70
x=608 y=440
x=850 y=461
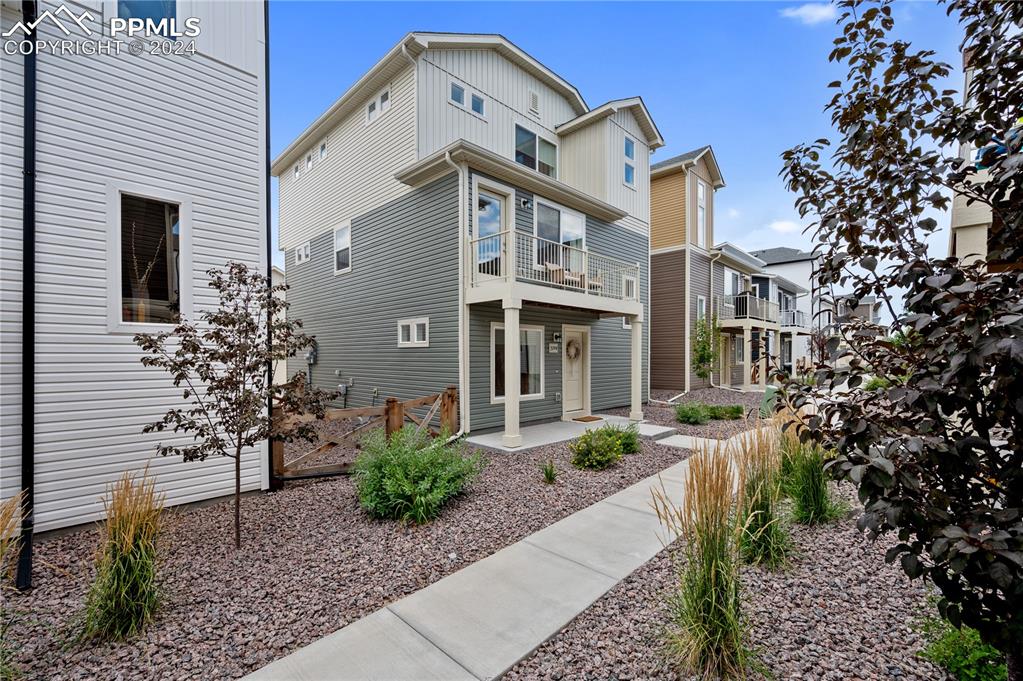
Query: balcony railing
x=746 y=306
x=795 y=318
x=548 y=263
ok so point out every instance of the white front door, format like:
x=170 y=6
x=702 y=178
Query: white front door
x=574 y=370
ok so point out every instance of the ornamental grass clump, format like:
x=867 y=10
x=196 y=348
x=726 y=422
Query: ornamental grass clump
x=596 y=449
x=549 y=471
x=410 y=476
x=808 y=487
x=764 y=540
x=10 y=522
x=124 y=596
x=707 y=634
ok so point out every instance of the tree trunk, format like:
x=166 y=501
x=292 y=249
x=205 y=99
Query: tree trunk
x=1014 y=665
x=238 y=498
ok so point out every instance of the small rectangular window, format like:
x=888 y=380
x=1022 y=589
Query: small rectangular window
x=477 y=104
x=738 y=352
x=629 y=167
x=162 y=13
x=150 y=243
x=701 y=213
x=531 y=358
x=371 y=111
x=298 y=172
x=302 y=253
x=701 y=308
x=630 y=149
x=414 y=333
x=343 y=248
x=630 y=174
x=323 y=151
x=385 y=101
x=308 y=162
x=458 y=94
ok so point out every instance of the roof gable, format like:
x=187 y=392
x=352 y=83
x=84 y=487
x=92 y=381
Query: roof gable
x=683 y=162
x=634 y=104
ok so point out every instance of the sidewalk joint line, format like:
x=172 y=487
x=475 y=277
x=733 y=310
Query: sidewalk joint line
x=573 y=560
x=630 y=508
x=429 y=640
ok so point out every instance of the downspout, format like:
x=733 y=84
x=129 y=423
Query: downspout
x=463 y=383
x=710 y=299
x=274 y=485
x=687 y=359
x=23 y=580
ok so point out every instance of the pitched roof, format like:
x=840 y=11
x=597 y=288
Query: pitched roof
x=783 y=254
x=635 y=104
x=686 y=161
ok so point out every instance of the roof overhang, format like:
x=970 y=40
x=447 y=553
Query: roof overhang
x=734 y=255
x=438 y=164
x=684 y=165
x=634 y=104
x=786 y=284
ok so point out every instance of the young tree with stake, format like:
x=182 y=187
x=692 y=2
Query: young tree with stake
x=224 y=365
x=939 y=459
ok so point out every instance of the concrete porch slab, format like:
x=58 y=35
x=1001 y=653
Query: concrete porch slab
x=535 y=591
x=379 y=646
x=553 y=432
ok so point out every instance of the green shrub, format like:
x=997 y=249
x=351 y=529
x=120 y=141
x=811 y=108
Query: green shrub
x=961 y=652
x=411 y=476
x=811 y=501
x=596 y=449
x=124 y=596
x=692 y=413
x=549 y=471
x=729 y=412
x=877 y=383
x=629 y=437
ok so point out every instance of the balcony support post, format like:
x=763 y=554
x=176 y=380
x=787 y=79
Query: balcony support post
x=747 y=352
x=763 y=358
x=512 y=374
x=636 y=372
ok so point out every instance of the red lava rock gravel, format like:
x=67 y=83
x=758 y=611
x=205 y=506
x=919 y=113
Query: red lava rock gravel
x=311 y=562
x=720 y=430
x=838 y=613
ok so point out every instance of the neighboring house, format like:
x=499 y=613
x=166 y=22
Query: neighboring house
x=787 y=343
x=148 y=171
x=695 y=280
x=461 y=216
x=280 y=368
x=798 y=267
x=971 y=222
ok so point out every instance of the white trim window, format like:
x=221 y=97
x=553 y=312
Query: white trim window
x=378 y=106
x=492 y=215
x=733 y=282
x=298 y=171
x=302 y=252
x=457 y=94
x=531 y=362
x=535 y=152
x=414 y=333
x=629 y=167
x=738 y=351
x=149 y=258
x=701 y=308
x=308 y=162
x=701 y=214
x=323 y=150
x=563 y=235
x=467 y=99
x=343 y=248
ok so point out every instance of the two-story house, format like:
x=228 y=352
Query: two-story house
x=460 y=216
x=125 y=177
x=798 y=268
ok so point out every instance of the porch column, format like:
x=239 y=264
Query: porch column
x=747 y=355
x=764 y=364
x=636 y=408
x=512 y=360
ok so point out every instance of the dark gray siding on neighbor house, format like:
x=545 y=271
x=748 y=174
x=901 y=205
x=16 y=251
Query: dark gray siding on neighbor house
x=699 y=286
x=717 y=275
x=404 y=265
x=610 y=343
x=667 y=320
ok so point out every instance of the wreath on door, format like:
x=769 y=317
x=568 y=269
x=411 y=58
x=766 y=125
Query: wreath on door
x=573 y=349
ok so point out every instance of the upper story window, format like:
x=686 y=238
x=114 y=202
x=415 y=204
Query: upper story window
x=150 y=248
x=302 y=253
x=378 y=106
x=701 y=308
x=630 y=162
x=308 y=162
x=468 y=100
x=323 y=150
x=457 y=94
x=561 y=237
x=343 y=248
x=701 y=213
x=733 y=283
x=159 y=15
x=298 y=171
x=535 y=152
x=478 y=104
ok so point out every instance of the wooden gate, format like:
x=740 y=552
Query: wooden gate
x=393 y=415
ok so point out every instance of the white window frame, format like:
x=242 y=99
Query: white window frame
x=303 y=252
x=503 y=191
x=499 y=326
x=538 y=136
x=414 y=341
x=701 y=308
x=323 y=150
x=701 y=213
x=298 y=171
x=629 y=162
x=467 y=95
x=452 y=84
x=348 y=224
x=309 y=161
x=558 y=207
x=382 y=106
x=185 y=276
x=738 y=350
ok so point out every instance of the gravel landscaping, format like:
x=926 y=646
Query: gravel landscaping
x=720 y=430
x=311 y=562
x=837 y=613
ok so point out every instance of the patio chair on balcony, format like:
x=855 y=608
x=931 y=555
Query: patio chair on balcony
x=575 y=279
x=596 y=283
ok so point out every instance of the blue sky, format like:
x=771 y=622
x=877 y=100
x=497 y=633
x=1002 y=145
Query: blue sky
x=746 y=77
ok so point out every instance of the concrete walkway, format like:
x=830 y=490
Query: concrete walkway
x=477 y=623
x=561 y=431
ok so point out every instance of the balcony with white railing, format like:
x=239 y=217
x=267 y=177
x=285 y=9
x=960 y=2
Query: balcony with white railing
x=794 y=319
x=591 y=280
x=746 y=307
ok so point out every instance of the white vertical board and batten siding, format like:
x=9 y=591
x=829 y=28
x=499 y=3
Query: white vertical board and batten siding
x=634 y=200
x=585 y=158
x=185 y=126
x=358 y=173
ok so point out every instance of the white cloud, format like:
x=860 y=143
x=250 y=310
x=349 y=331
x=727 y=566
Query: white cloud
x=784 y=226
x=733 y=213
x=811 y=13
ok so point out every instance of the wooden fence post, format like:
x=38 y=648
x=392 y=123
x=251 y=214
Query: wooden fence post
x=449 y=411
x=394 y=417
x=276 y=454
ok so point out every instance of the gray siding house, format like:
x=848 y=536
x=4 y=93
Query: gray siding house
x=460 y=216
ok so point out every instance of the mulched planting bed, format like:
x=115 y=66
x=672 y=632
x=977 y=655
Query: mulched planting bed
x=721 y=429
x=311 y=562
x=837 y=613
